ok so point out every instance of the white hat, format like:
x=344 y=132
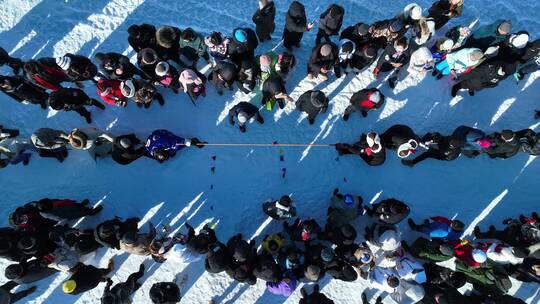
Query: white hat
x=128 y=88
x=519 y=40
x=372 y=139
x=447 y=45
x=242 y=117
x=63 y=62
x=414 y=10
x=389 y=240
x=375 y=96
x=162 y=68
x=404 y=147
x=479 y=256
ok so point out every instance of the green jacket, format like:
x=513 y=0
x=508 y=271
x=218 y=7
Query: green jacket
x=273 y=66
x=197 y=44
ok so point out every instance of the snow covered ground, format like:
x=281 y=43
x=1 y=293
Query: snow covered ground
x=480 y=191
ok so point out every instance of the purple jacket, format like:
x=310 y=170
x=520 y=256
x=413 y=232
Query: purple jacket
x=282 y=288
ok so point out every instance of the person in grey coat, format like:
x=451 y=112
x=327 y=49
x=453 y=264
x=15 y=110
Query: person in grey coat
x=51 y=143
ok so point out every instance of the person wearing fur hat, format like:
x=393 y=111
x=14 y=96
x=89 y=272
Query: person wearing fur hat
x=358 y=33
x=389 y=211
x=141 y=36
x=402 y=139
x=193 y=83
x=127 y=149
x=489 y=35
x=295 y=25
x=315 y=297
x=363 y=101
x=264 y=20
x=323 y=59
x=313 y=103
x=458 y=62
x=69 y=99
x=147 y=59
x=217 y=46
x=86 y=277
x=224 y=75
x=273 y=90
x=385 y=32
x=8 y=297
x=243 y=112
x=395 y=55
x=14 y=63
x=514 y=47
x=192 y=47
x=471 y=141
x=116 y=66
x=282 y=209
x=23 y=91
x=168 y=43
x=109 y=91
x=65 y=209
x=142 y=92
x=330 y=23
x=242 y=46
x=421 y=61
x=486 y=75
x=444 y=148
x=443 y=11
x=504 y=144
x=440 y=227
x=167 y=75
x=121 y=292
x=96 y=142
x=45 y=73
x=386 y=237
x=51 y=143
x=28 y=272
x=163 y=144
x=369 y=148
x=77 y=68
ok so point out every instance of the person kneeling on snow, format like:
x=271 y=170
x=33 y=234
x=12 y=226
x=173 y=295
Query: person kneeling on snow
x=369 y=148
x=163 y=144
x=440 y=228
x=313 y=103
x=281 y=209
x=363 y=101
x=243 y=112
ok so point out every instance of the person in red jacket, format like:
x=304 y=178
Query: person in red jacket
x=65 y=209
x=363 y=101
x=110 y=92
x=468 y=254
x=45 y=73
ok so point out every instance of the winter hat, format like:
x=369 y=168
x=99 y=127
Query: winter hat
x=215 y=38
x=335 y=11
x=457 y=225
x=505 y=27
x=240 y=35
x=242 y=117
x=129 y=237
x=397 y=25
x=479 y=256
x=162 y=68
x=134 y=31
x=348 y=199
x=389 y=240
x=241 y=251
x=318 y=99
x=447 y=44
x=347 y=46
x=519 y=40
x=326 y=50
x=313 y=272
x=392 y=281
x=458 y=279
x=370 y=52
x=167 y=36
x=375 y=96
x=26 y=243
x=69 y=286
x=362 y=29
x=476 y=55
x=415 y=11
x=188 y=34
x=63 y=62
x=327 y=255
x=484 y=143
x=507 y=135
x=127 y=87
x=264 y=60
x=285 y=201
x=14 y=271
x=125 y=143
x=78 y=139
x=148 y=56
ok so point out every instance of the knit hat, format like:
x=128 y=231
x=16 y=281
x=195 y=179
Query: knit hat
x=362 y=29
x=241 y=251
x=313 y=272
x=326 y=50
x=476 y=55
x=479 y=256
x=519 y=40
x=148 y=56
x=264 y=60
x=318 y=99
x=162 y=68
x=69 y=286
x=375 y=96
x=484 y=143
x=240 y=35
x=505 y=27
x=507 y=135
x=447 y=45
x=134 y=30
x=370 y=52
x=128 y=88
x=125 y=143
x=415 y=12
x=14 y=271
x=167 y=36
x=215 y=38
x=63 y=62
x=242 y=117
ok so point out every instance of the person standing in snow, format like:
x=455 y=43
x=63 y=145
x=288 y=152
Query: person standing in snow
x=23 y=91
x=96 y=142
x=389 y=211
x=411 y=15
x=395 y=56
x=109 y=91
x=224 y=75
x=78 y=68
x=193 y=83
x=447 y=149
x=141 y=36
x=115 y=66
x=45 y=73
x=530 y=60
x=217 y=47
x=513 y=48
x=121 y=292
x=420 y=62
x=192 y=47
x=243 y=112
x=323 y=59
x=312 y=103
x=295 y=25
x=486 y=75
x=440 y=227
x=363 y=101
x=137 y=243
x=384 y=279
x=165 y=293
x=147 y=59
x=471 y=141
x=142 y=92
x=167 y=76
x=65 y=209
x=51 y=143
x=14 y=63
x=273 y=90
x=330 y=23
x=281 y=209
x=402 y=139
x=242 y=46
x=489 y=35
x=69 y=99
x=168 y=43
x=8 y=297
x=264 y=20
x=443 y=11
x=369 y=148
x=314 y=297
x=163 y=144
x=85 y=278
x=127 y=148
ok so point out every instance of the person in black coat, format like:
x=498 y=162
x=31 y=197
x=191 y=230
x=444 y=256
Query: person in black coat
x=127 y=148
x=267 y=269
x=330 y=23
x=323 y=59
x=121 y=292
x=264 y=20
x=274 y=90
x=86 y=277
x=529 y=59
x=147 y=60
x=168 y=43
x=224 y=75
x=504 y=144
x=247 y=76
x=45 y=73
x=389 y=211
x=369 y=148
x=358 y=33
x=528 y=271
x=444 y=10
x=77 y=67
x=110 y=232
x=8 y=244
x=295 y=25
x=395 y=55
x=165 y=293
x=117 y=67
x=218 y=259
x=487 y=75
x=14 y=63
x=243 y=112
x=363 y=101
x=402 y=139
x=447 y=149
x=142 y=36
x=315 y=297
x=513 y=48
x=6 y=296
x=82 y=241
x=242 y=46
x=313 y=103
x=28 y=272
x=19 y=89
x=339 y=236
x=69 y=99
x=364 y=56
x=202 y=242
x=35 y=245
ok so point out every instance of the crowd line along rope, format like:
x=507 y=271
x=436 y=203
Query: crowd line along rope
x=262 y=145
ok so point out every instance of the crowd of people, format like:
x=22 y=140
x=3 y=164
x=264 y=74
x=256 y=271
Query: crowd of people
x=41 y=242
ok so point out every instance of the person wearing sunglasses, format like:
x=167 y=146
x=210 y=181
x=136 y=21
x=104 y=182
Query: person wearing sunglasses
x=402 y=139
x=440 y=147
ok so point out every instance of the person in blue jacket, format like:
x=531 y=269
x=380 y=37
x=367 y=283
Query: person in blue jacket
x=440 y=227
x=163 y=144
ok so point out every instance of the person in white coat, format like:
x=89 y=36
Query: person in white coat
x=459 y=62
x=421 y=61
